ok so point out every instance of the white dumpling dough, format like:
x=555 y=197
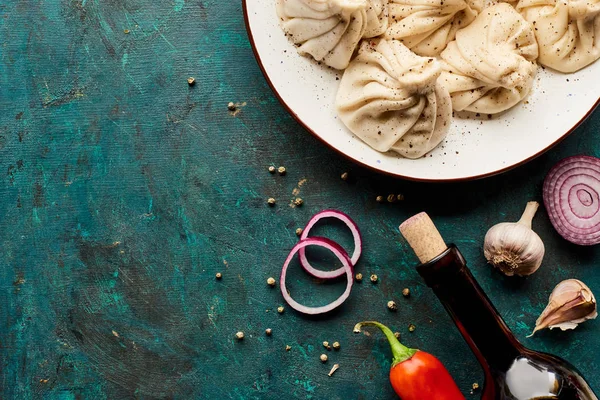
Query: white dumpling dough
x=491 y=66
x=377 y=18
x=567 y=31
x=389 y=97
x=328 y=30
x=427 y=26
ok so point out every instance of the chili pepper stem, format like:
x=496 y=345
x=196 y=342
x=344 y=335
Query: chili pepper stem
x=400 y=352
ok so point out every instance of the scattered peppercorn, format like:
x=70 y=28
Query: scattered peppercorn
x=411 y=328
x=379 y=199
x=271 y=281
x=475 y=386
x=191 y=81
x=406 y=292
x=272 y=169
x=397 y=334
x=126 y=31
x=268 y=331
x=323 y=357
x=358 y=277
x=326 y=344
x=298 y=231
x=231 y=106
x=344 y=176
x=298 y=202
x=271 y=201
x=392 y=305
x=280 y=309
x=281 y=170
x=218 y=275
x=374 y=278
x=43 y=380
x=239 y=335
x=391 y=198
x=288 y=347
x=336 y=345
x=400 y=197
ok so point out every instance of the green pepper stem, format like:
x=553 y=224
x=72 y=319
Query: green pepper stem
x=400 y=352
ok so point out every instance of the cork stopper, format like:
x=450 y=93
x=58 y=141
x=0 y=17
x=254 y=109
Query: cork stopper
x=423 y=237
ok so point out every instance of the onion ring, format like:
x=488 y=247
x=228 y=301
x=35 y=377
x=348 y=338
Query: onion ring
x=340 y=253
x=317 y=273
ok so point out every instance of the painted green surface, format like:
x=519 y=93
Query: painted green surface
x=123 y=191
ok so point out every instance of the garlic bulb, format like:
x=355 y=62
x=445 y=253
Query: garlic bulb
x=513 y=247
x=571 y=303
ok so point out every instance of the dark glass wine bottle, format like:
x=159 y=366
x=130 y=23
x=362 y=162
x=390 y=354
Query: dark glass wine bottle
x=512 y=371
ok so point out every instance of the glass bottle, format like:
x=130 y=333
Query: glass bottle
x=512 y=371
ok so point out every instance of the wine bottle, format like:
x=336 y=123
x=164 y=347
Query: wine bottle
x=512 y=371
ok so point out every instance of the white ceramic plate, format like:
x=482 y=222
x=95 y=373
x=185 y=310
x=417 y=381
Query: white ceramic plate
x=475 y=147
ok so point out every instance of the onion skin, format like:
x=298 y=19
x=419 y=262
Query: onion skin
x=357 y=243
x=572 y=198
x=348 y=268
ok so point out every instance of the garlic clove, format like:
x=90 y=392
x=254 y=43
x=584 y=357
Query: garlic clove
x=570 y=303
x=513 y=247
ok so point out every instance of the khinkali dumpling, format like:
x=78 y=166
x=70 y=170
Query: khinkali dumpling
x=491 y=66
x=567 y=31
x=427 y=26
x=377 y=18
x=389 y=97
x=328 y=30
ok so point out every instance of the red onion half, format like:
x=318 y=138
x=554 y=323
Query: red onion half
x=572 y=198
x=347 y=267
x=317 y=273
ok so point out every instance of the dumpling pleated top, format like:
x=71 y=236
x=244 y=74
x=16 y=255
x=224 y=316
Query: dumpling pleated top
x=390 y=98
x=490 y=66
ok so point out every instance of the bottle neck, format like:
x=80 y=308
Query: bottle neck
x=478 y=321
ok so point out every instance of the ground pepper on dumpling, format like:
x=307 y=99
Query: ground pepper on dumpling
x=390 y=98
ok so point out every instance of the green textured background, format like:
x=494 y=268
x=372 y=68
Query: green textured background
x=123 y=191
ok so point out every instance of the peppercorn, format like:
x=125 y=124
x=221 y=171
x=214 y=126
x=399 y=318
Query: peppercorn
x=374 y=278
x=475 y=386
x=239 y=335
x=280 y=309
x=400 y=197
x=281 y=170
x=268 y=331
x=298 y=231
x=406 y=292
x=411 y=328
x=271 y=169
x=358 y=277
x=397 y=334
x=191 y=81
x=344 y=176
x=379 y=199
x=126 y=31
x=288 y=348
x=326 y=344
x=218 y=275
x=391 y=198
x=336 y=345
x=323 y=357
x=271 y=281
x=231 y=106
x=271 y=201
x=298 y=202
x=392 y=305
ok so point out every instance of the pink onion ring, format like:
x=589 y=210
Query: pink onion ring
x=572 y=199
x=340 y=253
x=317 y=273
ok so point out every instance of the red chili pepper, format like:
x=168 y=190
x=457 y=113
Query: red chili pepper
x=415 y=374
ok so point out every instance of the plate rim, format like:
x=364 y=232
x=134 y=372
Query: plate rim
x=388 y=173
